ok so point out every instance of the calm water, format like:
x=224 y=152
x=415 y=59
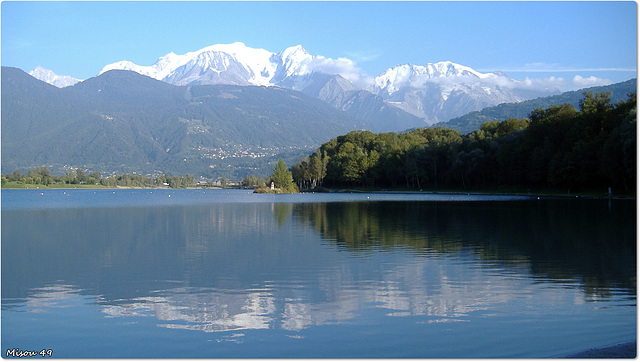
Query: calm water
x=192 y=273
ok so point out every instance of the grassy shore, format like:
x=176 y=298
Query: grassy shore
x=22 y=186
x=18 y=185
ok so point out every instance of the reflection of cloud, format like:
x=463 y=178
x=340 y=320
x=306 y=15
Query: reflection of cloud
x=202 y=310
x=296 y=317
x=437 y=290
x=51 y=297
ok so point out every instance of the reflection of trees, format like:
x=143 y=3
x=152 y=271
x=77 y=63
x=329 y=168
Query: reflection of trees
x=116 y=251
x=282 y=212
x=236 y=267
x=583 y=240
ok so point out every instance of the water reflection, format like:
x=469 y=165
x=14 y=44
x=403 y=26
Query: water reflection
x=402 y=291
x=291 y=266
x=557 y=240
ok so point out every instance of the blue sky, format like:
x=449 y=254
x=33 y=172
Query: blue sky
x=568 y=43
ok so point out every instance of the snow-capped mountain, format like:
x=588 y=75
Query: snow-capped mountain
x=407 y=75
x=432 y=93
x=224 y=64
x=52 y=78
x=440 y=91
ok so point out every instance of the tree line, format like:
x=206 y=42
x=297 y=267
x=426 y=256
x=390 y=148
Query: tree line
x=281 y=179
x=558 y=148
x=41 y=175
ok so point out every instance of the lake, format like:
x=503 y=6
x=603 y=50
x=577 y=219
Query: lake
x=227 y=273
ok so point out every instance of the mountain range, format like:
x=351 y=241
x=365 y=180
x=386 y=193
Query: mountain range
x=122 y=121
x=403 y=96
x=228 y=109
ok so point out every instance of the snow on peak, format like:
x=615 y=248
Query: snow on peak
x=450 y=69
x=258 y=66
x=296 y=52
x=239 y=51
x=212 y=58
x=295 y=60
x=52 y=78
x=394 y=78
x=417 y=76
x=127 y=65
x=239 y=64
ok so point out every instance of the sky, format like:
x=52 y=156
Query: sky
x=570 y=44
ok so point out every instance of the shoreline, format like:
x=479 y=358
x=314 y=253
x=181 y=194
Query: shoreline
x=346 y=191
x=448 y=192
x=621 y=350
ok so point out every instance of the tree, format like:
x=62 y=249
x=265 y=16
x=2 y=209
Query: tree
x=301 y=172
x=175 y=182
x=188 y=181
x=15 y=176
x=252 y=181
x=70 y=178
x=599 y=103
x=282 y=177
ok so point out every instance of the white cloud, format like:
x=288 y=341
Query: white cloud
x=549 y=83
x=541 y=67
x=350 y=71
x=559 y=68
x=343 y=66
x=364 y=56
x=592 y=81
x=552 y=83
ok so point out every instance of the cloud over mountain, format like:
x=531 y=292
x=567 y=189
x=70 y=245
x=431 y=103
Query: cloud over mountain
x=581 y=82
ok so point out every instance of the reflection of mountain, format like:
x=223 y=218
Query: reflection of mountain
x=443 y=292
x=246 y=266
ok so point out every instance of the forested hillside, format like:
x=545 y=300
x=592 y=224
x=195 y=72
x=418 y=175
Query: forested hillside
x=557 y=148
x=124 y=122
x=472 y=121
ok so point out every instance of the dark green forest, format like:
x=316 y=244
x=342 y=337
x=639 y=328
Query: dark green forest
x=559 y=148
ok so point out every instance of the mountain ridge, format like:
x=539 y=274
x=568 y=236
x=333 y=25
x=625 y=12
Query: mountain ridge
x=122 y=121
x=432 y=92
